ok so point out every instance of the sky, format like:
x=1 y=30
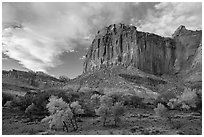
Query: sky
x=54 y=37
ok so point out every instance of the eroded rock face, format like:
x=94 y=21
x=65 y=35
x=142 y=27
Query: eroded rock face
x=188 y=45
x=121 y=44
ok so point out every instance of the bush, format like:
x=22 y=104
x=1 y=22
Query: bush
x=188 y=100
x=87 y=106
x=133 y=101
x=162 y=112
x=173 y=104
x=199 y=101
x=104 y=112
x=116 y=96
x=118 y=111
x=42 y=99
x=24 y=101
x=68 y=95
x=164 y=97
x=189 y=97
x=109 y=108
x=95 y=100
x=6 y=97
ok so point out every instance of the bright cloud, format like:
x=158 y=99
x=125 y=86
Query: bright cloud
x=36 y=34
x=168 y=16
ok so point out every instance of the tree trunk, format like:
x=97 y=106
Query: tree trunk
x=73 y=124
x=76 y=123
x=104 y=122
x=65 y=125
x=115 y=122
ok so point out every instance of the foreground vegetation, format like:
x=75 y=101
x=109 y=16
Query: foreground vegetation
x=59 y=111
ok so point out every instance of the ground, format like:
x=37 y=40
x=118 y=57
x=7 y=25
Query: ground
x=135 y=121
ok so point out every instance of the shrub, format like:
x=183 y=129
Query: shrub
x=199 y=101
x=106 y=100
x=95 y=100
x=104 y=112
x=132 y=101
x=164 y=97
x=189 y=97
x=173 y=103
x=68 y=95
x=87 y=106
x=162 y=112
x=42 y=99
x=116 y=96
x=185 y=107
x=136 y=101
x=6 y=97
x=118 y=111
x=108 y=108
x=24 y=101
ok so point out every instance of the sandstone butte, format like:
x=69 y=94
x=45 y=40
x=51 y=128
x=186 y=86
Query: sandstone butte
x=120 y=44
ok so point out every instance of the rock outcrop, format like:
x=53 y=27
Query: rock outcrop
x=124 y=45
x=187 y=47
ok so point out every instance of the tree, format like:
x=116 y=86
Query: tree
x=117 y=110
x=109 y=108
x=76 y=110
x=104 y=112
x=61 y=113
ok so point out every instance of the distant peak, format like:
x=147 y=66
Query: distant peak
x=180 y=30
x=181 y=27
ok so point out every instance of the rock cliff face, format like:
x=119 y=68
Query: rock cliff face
x=187 y=47
x=124 y=45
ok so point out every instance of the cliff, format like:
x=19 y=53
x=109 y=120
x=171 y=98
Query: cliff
x=124 y=45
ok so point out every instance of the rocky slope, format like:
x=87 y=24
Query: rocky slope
x=16 y=80
x=121 y=44
x=122 y=58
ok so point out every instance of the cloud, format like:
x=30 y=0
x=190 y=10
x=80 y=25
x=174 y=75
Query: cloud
x=166 y=17
x=36 y=34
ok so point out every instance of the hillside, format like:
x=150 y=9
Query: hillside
x=122 y=57
x=22 y=81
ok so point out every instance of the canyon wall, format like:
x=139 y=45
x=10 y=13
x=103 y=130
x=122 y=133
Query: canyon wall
x=120 y=44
